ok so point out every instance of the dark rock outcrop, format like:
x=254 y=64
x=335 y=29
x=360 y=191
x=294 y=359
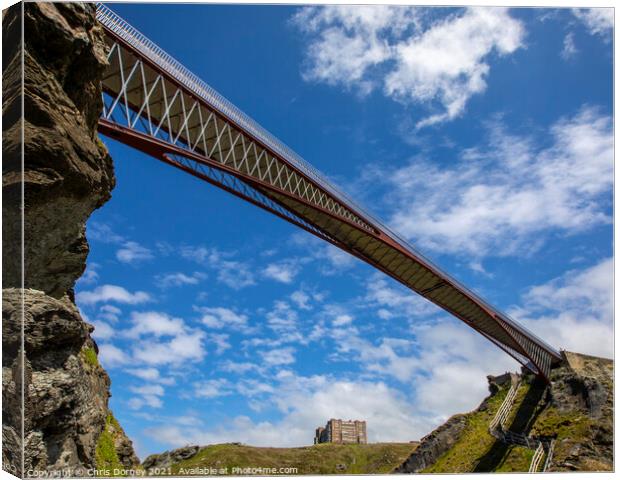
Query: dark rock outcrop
x=163 y=460
x=67 y=170
x=581 y=414
x=576 y=410
x=67 y=173
x=67 y=393
x=434 y=445
x=443 y=438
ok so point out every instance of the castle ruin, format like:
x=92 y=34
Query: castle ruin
x=342 y=431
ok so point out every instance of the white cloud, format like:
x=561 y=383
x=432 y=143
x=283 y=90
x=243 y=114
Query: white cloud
x=504 y=198
x=347 y=41
x=180 y=349
x=102 y=232
x=150 y=374
x=447 y=62
x=232 y=273
x=103 y=330
x=279 y=356
x=317 y=297
x=338 y=260
x=212 y=388
x=306 y=403
x=238 y=367
x=385 y=314
x=310 y=401
x=133 y=252
x=252 y=387
x=283 y=321
x=221 y=342
x=179 y=279
x=220 y=317
x=574 y=311
x=154 y=323
x=109 y=313
x=111 y=356
x=301 y=299
x=342 y=320
x=598 y=21
x=440 y=358
x=196 y=254
x=160 y=339
x=136 y=403
x=569 y=50
x=156 y=390
x=144 y=373
x=236 y=275
x=283 y=272
x=390 y=356
x=111 y=293
x=441 y=64
x=331 y=260
x=393 y=299
x=90 y=275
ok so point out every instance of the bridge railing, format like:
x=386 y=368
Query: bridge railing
x=536 y=459
x=549 y=456
x=178 y=71
x=504 y=410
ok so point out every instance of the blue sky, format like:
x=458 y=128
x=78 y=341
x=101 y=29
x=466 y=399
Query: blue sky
x=483 y=136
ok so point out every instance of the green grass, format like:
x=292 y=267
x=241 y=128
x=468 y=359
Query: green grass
x=106 y=457
x=474 y=442
x=477 y=450
x=316 y=459
x=517 y=459
x=571 y=428
x=90 y=356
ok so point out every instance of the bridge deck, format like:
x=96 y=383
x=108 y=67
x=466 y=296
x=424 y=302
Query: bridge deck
x=153 y=103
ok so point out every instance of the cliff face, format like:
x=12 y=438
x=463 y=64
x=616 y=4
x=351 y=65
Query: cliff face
x=67 y=174
x=576 y=410
x=580 y=414
x=441 y=441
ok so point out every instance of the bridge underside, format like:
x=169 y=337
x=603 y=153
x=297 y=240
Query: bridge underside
x=155 y=105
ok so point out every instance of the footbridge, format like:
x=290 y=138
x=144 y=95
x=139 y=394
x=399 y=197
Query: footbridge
x=156 y=105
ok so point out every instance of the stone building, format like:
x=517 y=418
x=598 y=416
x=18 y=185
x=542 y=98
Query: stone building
x=342 y=431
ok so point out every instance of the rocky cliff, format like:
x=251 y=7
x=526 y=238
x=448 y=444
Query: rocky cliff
x=67 y=174
x=444 y=438
x=580 y=414
x=576 y=410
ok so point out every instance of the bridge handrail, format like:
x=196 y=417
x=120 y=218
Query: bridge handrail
x=549 y=455
x=538 y=454
x=505 y=407
x=172 y=66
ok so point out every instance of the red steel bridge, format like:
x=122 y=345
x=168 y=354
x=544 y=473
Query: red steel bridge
x=156 y=105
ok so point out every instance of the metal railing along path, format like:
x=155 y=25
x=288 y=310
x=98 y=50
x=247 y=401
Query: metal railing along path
x=536 y=459
x=549 y=456
x=504 y=410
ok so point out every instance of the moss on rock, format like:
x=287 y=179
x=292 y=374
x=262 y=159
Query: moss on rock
x=105 y=456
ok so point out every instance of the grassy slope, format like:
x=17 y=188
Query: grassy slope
x=473 y=443
x=478 y=450
x=105 y=455
x=315 y=459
